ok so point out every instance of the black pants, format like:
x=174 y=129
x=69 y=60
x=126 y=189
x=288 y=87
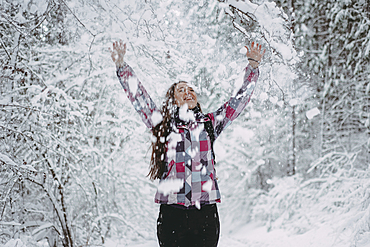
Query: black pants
x=177 y=227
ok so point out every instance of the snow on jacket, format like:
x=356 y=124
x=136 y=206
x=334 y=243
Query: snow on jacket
x=190 y=176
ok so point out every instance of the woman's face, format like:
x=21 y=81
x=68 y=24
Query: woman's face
x=185 y=94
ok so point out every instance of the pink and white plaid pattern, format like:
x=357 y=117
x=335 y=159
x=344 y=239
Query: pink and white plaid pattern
x=190 y=158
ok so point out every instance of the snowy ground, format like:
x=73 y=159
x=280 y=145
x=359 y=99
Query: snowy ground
x=252 y=235
x=256 y=235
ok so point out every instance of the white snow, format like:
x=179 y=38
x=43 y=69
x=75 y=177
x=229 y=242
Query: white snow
x=257 y=235
x=333 y=212
x=220 y=117
x=209 y=40
x=268 y=16
x=173 y=138
x=197 y=204
x=254 y=234
x=133 y=84
x=243 y=50
x=263 y=96
x=280 y=103
x=28 y=167
x=293 y=102
x=192 y=152
x=170 y=185
x=15 y=243
x=185 y=114
x=242 y=133
x=11 y=223
x=260 y=162
x=156 y=118
x=196 y=132
x=207 y=186
x=204 y=170
x=185 y=77
x=312 y=113
x=4 y=158
x=273 y=99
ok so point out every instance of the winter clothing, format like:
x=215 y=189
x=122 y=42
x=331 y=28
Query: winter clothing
x=189 y=158
x=183 y=227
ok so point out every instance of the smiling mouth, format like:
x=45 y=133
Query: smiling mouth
x=189 y=98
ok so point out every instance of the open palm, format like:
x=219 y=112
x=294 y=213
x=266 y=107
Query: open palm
x=255 y=52
x=118 y=53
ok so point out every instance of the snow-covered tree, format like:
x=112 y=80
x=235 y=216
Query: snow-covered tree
x=74 y=154
x=334 y=37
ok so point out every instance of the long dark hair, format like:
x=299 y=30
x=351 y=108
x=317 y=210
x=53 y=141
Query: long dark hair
x=161 y=132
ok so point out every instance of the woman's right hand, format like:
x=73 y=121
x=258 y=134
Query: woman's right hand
x=118 y=52
x=254 y=54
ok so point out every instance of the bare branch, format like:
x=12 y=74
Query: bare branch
x=32 y=139
x=18 y=28
x=28 y=108
x=44 y=15
x=62 y=1
x=6 y=51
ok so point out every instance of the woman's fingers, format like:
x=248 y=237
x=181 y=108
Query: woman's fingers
x=119 y=47
x=255 y=51
x=118 y=52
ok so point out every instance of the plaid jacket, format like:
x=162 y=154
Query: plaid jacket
x=190 y=176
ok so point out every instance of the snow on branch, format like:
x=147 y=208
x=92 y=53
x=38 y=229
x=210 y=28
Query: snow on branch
x=334 y=161
x=8 y=161
x=273 y=24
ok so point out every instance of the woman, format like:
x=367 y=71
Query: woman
x=182 y=155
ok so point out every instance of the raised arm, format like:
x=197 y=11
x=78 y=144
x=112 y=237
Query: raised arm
x=229 y=111
x=135 y=91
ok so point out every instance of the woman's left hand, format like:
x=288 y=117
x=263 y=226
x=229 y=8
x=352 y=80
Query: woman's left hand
x=254 y=54
x=118 y=53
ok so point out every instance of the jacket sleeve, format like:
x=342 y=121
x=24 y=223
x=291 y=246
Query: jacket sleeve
x=138 y=96
x=229 y=111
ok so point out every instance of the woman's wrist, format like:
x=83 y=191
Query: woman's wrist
x=254 y=64
x=120 y=64
x=254 y=60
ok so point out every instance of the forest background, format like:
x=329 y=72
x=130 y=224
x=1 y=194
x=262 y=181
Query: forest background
x=74 y=154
